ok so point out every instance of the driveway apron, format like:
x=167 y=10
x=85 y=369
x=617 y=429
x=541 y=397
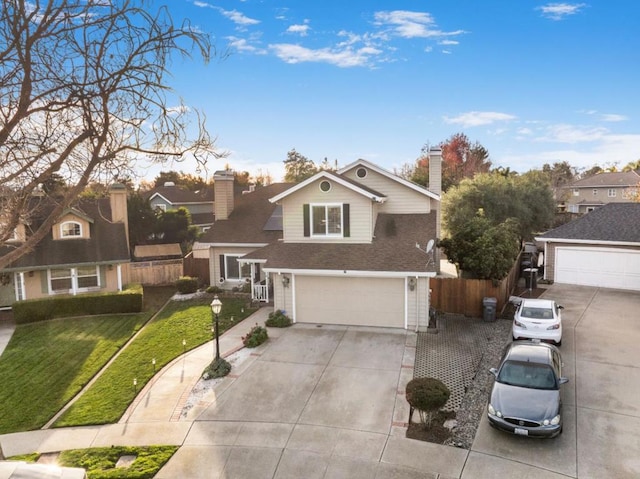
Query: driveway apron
x=601 y=402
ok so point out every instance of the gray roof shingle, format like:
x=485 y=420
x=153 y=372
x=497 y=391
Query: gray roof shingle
x=614 y=222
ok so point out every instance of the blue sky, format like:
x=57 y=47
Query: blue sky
x=534 y=82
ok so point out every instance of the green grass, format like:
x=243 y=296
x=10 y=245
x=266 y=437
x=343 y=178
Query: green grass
x=47 y=363
x=108 y=398
x=100 y=462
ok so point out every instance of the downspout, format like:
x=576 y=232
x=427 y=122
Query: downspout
x=417 y=304
x=119 y=275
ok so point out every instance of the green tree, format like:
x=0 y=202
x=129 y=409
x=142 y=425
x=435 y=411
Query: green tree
x=84 y=94
x=298 y=167
x=186 y=180
x=527 y=198
x=632 y=166
x=174 y=226
x=484 y=250
x=142 y=219
x=560 y=173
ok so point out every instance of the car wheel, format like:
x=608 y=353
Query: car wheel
x=559 y=343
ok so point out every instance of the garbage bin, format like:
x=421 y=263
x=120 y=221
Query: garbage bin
x=489 y=306
x=530 y=278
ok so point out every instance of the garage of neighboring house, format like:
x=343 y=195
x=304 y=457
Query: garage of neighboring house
x=603 y=267
x=358 y=301
x=600 y=248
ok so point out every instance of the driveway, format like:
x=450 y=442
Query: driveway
x=601 y=438
x=314 y=402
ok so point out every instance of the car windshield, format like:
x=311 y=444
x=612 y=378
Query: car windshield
x=536 y=313
x=527 y=375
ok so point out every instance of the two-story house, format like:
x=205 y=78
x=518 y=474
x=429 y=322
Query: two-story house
x=198 y=203
x=84 y=252
x=589 y=193
x=345 y=247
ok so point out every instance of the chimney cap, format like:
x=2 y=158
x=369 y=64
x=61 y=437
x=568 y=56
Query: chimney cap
x=436 y=150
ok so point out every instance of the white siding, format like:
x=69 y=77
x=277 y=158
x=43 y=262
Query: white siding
x=360 y=213
x=400 y=198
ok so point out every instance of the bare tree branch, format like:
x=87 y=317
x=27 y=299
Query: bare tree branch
x=82 y=94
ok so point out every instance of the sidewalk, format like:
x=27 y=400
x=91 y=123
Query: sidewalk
x=153 y=417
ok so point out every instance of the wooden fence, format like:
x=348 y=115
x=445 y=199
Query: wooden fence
x=156 y=273
x=197 y=268
x=465 y=296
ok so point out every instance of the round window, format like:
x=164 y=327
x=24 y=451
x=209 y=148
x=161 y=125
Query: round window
x=325 y=186
x=361 y=172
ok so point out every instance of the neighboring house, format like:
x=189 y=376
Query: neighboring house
x=601 y=248
x=345 y=247
x=84 y=252
x=198 y=203
x=589 y=193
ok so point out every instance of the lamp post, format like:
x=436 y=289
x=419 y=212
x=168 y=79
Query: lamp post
x=216 y=306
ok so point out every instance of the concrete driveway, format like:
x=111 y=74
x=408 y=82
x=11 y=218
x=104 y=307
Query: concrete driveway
x=601 y=438
x=314 y=402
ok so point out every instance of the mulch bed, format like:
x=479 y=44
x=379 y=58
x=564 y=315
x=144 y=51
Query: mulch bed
x=436 y=433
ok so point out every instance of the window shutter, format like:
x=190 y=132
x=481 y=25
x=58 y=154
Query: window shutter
x=346 y=232
x=222 y=268
x=305 y=215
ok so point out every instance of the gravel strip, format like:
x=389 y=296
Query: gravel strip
x=460 y=355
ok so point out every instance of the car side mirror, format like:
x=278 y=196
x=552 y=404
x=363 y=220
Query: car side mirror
x=563 y=380
x=494 y=371
x=560 y=306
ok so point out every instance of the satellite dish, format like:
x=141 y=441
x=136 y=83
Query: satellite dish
x=430 y=245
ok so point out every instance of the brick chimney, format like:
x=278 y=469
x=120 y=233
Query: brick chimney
x=118 y=202
x=223 y=194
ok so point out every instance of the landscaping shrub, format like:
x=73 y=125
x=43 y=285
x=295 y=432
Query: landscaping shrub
x=427 y=395
x=187 y=285
x=214 y=289
x=278 y=319
x=217 y=369
x=33 y=310
x=255 y=337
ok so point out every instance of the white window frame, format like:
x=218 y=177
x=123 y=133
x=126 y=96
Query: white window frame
x=574 y=209
x=326 y=233
x=611 y=193
x=65 y=234
x=75 y=277
x=241 y=277
x=595 y=192
x=18 y=280
x=576 y=192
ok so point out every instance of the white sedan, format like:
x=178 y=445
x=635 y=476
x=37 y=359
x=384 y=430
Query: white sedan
x=537 y=319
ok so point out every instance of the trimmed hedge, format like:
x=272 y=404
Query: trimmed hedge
x=187 y=285
x=34 y=310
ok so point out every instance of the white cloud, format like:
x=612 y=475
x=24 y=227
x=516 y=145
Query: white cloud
x=613 y=117
x=342 y=57
x=301 y=30
x=242 y=45
x=478 y=118
x=408 y=24
x=238 y=18
x=557 y=11
x=448 y=42
x=564 y=133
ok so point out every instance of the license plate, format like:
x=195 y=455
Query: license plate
x=521 y=432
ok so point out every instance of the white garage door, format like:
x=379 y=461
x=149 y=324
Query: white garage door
x=602 y=267
x=352 y=301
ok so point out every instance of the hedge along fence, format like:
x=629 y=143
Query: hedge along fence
x=33 y=310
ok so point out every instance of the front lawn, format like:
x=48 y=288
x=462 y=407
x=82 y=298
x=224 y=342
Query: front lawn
x=46 y=364
x=189 y=321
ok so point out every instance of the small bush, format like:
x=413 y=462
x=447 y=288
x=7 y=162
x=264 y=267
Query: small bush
x=255 y=337
x=214 y=289
x=278 y=319
x=427 y=395
x=217 y=369
x=187 y=285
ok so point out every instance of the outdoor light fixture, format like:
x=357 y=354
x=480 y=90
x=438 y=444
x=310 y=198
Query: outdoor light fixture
x=216 y=307
x=412 y=284
x=135 y=384
x=285 y=281
x=153 y=361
